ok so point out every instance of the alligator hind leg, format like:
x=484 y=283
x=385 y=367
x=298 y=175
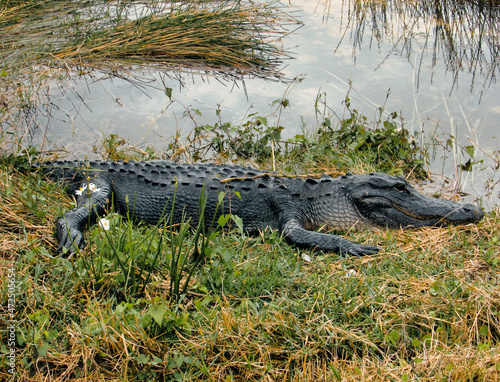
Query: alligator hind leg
x=296 y=234
x=93 y=198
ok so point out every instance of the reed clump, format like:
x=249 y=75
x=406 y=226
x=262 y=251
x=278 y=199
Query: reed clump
x=237 y=38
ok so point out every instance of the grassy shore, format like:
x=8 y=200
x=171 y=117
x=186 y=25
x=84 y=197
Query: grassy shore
x=425 y=309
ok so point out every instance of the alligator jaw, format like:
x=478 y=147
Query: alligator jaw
x=458 y=214
x=382 y=211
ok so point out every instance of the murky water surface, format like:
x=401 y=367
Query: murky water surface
x=438 y=63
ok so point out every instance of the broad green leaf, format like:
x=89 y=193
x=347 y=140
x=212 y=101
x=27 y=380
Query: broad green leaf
x=157 y=312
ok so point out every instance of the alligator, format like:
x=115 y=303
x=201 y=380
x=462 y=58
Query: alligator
x=294 y=205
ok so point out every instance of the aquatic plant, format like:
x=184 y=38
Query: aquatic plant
x=231 y=37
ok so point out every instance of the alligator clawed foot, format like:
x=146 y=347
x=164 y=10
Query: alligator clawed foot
x=360 y=250
x=70 y=238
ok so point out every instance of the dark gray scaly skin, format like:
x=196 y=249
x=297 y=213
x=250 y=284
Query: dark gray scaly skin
x=291 y=205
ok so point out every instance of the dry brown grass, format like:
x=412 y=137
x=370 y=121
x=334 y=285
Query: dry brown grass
x=20 y=228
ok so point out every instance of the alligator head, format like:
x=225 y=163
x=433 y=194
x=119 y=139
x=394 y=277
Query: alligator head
x=387 y=201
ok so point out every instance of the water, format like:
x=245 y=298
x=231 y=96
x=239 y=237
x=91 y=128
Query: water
x=444 y=86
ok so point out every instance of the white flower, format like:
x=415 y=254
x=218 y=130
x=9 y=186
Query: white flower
x=306 y=257
x=93 y=187
x=351 y=273
x=80 y=191
x=104 y=223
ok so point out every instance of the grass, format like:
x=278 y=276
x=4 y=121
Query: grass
x=426 y=308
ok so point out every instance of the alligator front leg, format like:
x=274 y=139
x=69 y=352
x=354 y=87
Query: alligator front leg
x=296 y=234
x=93 y=198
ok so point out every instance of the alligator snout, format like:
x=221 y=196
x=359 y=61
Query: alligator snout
x=462 y=214
x=474 y=212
